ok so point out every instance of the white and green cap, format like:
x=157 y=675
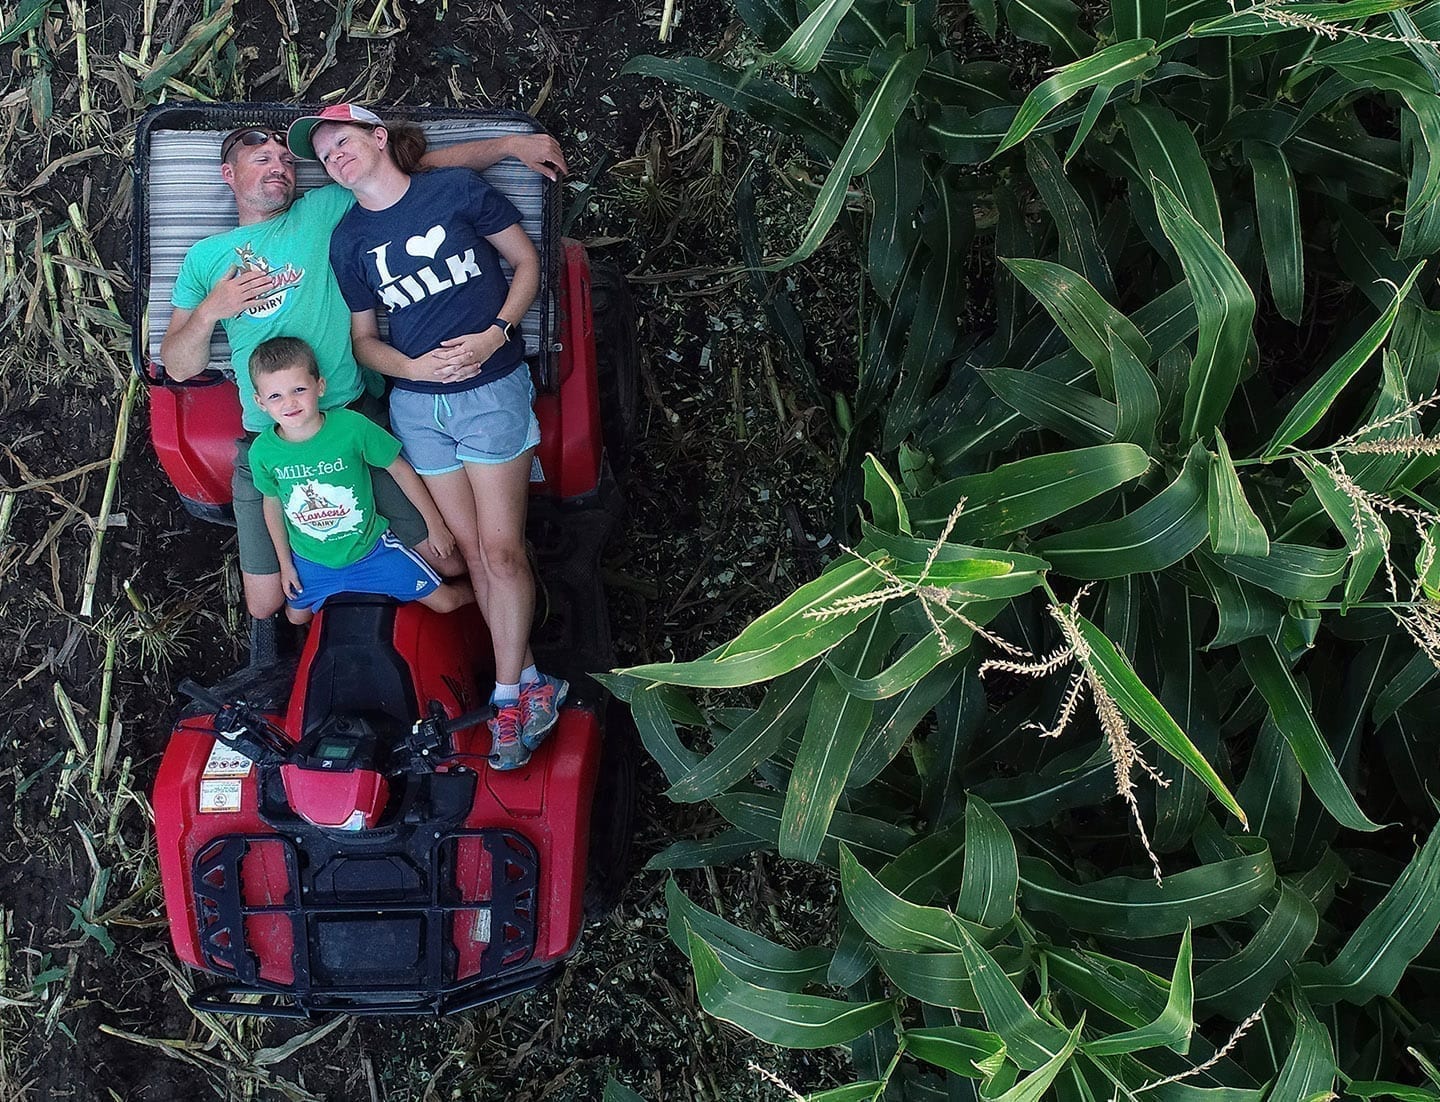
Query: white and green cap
x=298 y=137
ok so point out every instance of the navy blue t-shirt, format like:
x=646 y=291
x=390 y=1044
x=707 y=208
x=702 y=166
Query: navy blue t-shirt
x=425 y=258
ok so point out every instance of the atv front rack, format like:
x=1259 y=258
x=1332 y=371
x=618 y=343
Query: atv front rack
x=383 y=933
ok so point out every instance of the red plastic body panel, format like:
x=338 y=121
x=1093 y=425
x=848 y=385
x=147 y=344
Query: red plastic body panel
x=548 y=801
x=194 y=428
x=332 y=799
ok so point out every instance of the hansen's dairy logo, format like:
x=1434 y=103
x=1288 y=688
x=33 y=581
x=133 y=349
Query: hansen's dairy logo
x=321 y=510
x=281 y=280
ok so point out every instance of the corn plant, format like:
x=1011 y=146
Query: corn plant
x=1113 y=718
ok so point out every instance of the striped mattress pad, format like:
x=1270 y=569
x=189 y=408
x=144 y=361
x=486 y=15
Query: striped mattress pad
x=187 y=200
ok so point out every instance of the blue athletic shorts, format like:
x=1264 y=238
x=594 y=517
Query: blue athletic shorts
x=390 y=569
x=493 y=423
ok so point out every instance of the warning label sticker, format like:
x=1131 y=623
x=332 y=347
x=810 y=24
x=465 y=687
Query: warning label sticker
x=225 y=762
x=220 y=796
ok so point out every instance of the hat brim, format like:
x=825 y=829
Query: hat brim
x=298 y=136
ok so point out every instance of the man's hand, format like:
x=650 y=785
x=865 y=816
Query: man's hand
x=290 y=580
x=539 y=153
x=241 y=289
x=441 y=541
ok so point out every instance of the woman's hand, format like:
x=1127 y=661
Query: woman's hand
x=461 y=358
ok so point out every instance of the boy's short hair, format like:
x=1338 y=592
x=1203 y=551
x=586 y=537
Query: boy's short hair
x=279 y=353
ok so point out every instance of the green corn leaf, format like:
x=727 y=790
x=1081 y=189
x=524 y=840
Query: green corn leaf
x=1099 y=98
x=1156 y=535
x=1294 y=571
x=27 y=17
x=1079 y=246
x=1114 y=672
x=992 y=871
x=941 y=757
x=1390 y=936
x=973 y=1053
x=1309 y=1069
x=1172 y=1028
x=1312 y=406
x=897 y=183
x=1166 y=150
x=1367 y=539
x=1237 y=986
x=1082 y=314
x=1416 y=674
x=1234 y=527
x=1075 y=414
x=1030 y=799
x=1277 y=209
x=1052 y=23
x=834 y=728
x=1267 y=668
x=1137 y=398
x=803 y=49
x=1034 y=1086
x=724 y=848
x=1030 y=1040
x=1127 y=992
x=943 y=979
x=758 y=813
x=1244 y=23
x=862 y=149
x=756 y=738
x=747 y=955
x=1376 y=1088
x=1138 y=18
x=616 y=1091
x=1026 y=492
x=895 y=923
x=854 y=1092
x=1224 y=306
x=1270 y=792
x=883 y=497
x=657 y=731
x=779 y=1017
x=1122 y=906
x=746 y=92
x=1109 y=67
x=897 y=718
x=1417 y=88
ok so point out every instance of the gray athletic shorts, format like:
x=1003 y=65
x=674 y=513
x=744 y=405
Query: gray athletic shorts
x=257 y=552
x=493 y=423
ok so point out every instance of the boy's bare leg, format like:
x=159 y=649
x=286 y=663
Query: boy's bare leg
x=298 y=616
x=263 y=595
x=449 y=597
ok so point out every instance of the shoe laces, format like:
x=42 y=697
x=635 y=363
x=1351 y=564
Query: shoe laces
x=506 y=724
x=540 y=692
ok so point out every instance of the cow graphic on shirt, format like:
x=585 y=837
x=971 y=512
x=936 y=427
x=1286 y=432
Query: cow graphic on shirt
x=323 y=511
x=281 y=279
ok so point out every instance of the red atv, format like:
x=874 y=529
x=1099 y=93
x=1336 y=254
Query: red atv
x=330 y=837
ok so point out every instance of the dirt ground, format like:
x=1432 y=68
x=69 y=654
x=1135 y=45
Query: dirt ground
x=729 y=505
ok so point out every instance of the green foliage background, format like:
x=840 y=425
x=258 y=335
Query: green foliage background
x=1115 y=723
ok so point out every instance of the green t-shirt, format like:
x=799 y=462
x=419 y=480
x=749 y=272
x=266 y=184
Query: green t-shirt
x=324 y=485
x=304 y=299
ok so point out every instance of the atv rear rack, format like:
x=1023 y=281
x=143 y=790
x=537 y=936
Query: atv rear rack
x=394 y=953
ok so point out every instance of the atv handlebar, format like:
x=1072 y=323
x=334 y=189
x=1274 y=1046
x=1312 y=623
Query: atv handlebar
x=239 y=725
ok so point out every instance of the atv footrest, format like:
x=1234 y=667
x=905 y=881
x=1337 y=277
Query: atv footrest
x=413 y=924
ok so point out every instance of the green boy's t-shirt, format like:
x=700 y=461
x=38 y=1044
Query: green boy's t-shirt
x=303 y=299
x=324 y=485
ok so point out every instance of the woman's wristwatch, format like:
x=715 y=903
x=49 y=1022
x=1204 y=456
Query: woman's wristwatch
x=505 y=327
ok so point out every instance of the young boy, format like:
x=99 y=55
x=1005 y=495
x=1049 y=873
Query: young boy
x=314 y=470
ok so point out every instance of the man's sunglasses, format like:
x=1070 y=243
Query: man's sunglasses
x=250 y=137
